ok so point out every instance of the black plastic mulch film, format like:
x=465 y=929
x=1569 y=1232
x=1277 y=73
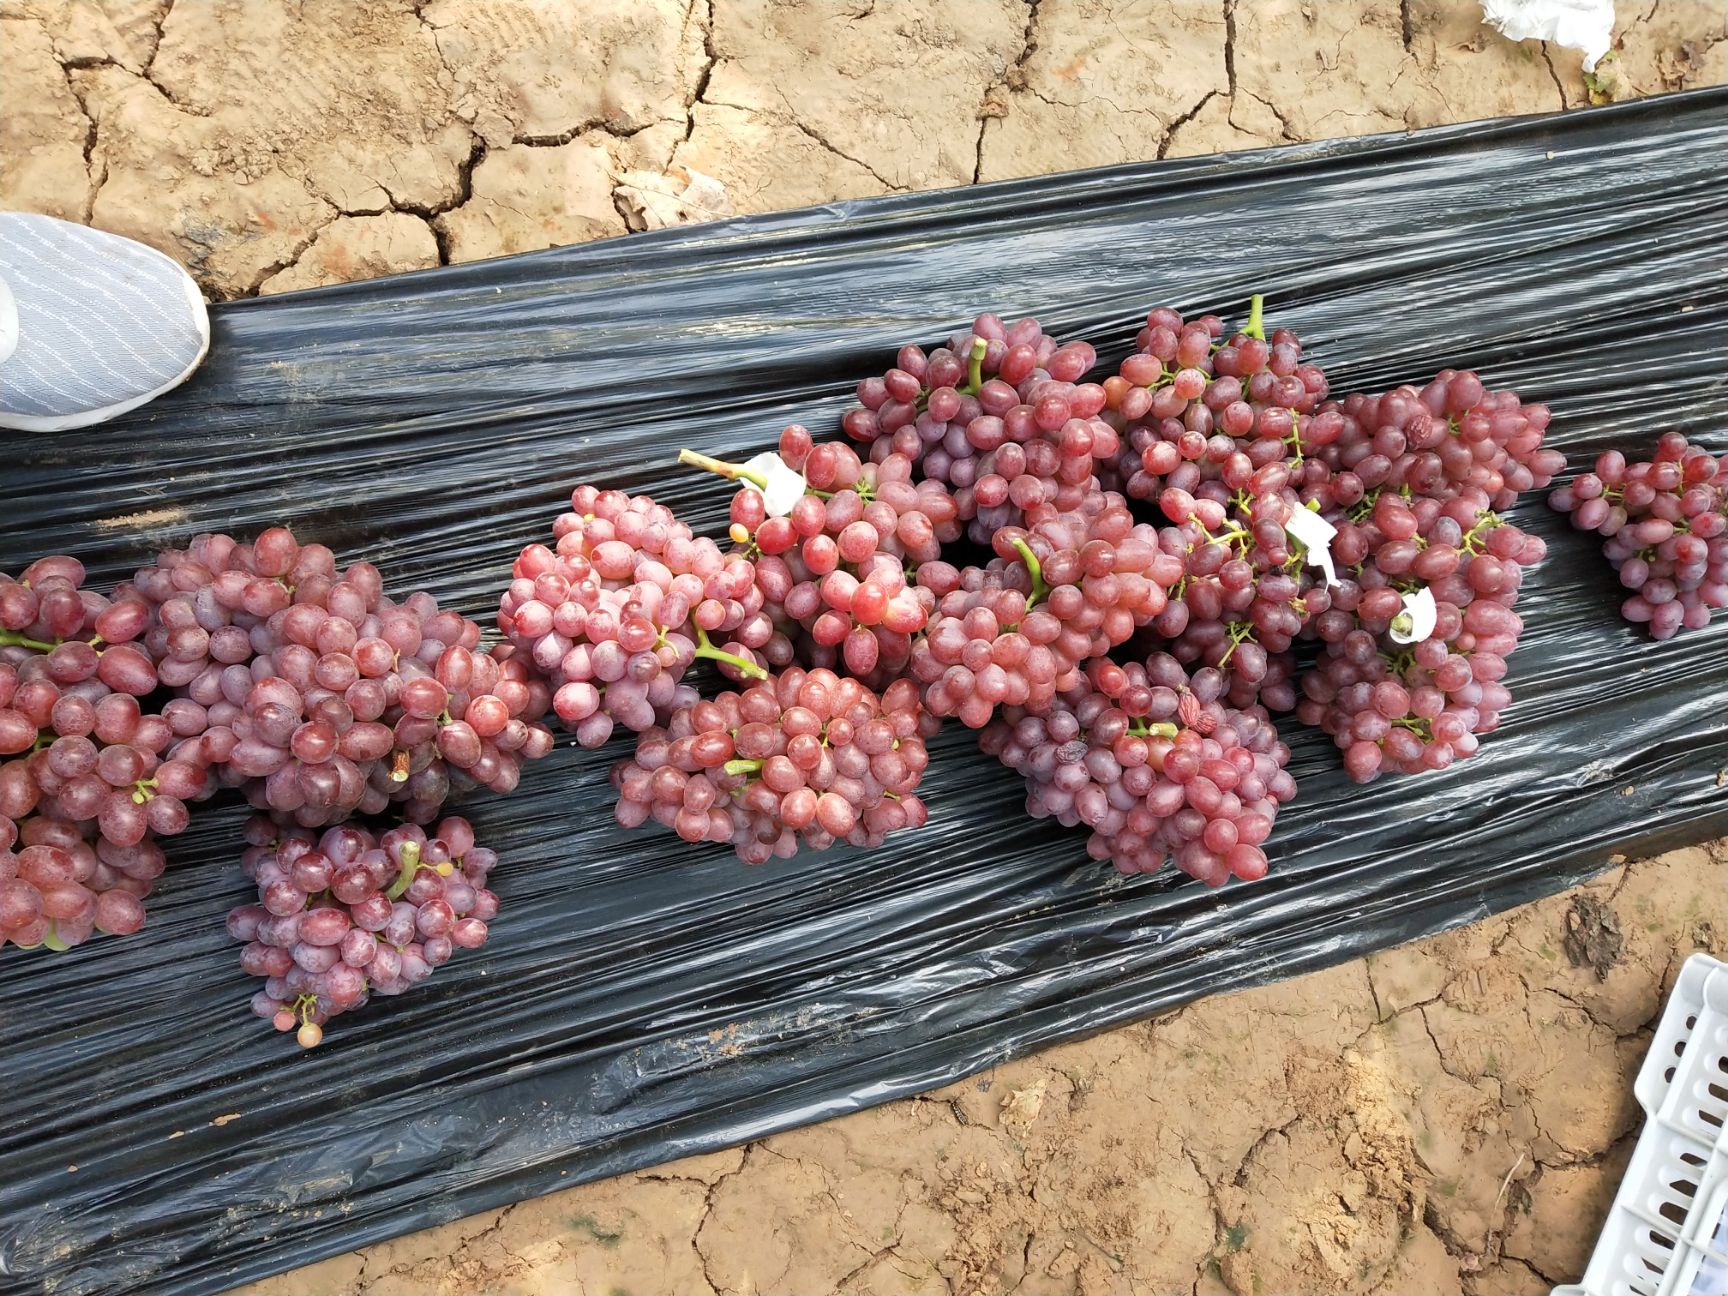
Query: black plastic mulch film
x=641 y=999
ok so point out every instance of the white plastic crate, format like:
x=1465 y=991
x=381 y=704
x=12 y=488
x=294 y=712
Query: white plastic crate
x=1667 y=1232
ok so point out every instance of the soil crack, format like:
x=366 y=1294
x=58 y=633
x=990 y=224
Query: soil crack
x=1183 y=120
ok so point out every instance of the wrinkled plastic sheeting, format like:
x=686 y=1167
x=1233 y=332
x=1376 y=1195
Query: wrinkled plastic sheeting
x=641 y=999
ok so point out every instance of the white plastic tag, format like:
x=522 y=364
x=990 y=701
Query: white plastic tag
x=1416 y=622
x=1315 y=534
x=784 y=486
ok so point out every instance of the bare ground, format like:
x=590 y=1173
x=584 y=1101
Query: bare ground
x=1449 y=1117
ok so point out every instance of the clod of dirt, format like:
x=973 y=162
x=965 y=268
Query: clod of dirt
x=677 y=196
x=1021 y=1106
x=359 y=247
x=1592 y=938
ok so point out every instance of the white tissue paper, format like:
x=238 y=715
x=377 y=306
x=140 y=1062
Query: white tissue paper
x=1584 y=25
x=784 y=486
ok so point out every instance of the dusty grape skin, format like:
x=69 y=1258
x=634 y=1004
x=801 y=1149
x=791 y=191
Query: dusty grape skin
x=330 y=950
x=333 y=698
x=749 y=770
x=1665 y=528
x=82 y=795
x=1205 y=798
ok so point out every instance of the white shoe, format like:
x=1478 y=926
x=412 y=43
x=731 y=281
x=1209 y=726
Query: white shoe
x=91 y=324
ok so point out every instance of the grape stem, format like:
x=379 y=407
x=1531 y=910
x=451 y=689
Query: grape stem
x=1141 y=730
x=1256 y=325
x=410 y=866
x=1364 y=507
x=399 y=767
x=1401 y=663
x=705 y=648
x=1294 y=440
x=1035 y=570
x=736 y=472
x=744 y=767
x=15 y=638
x=731 y=471
x=1485 y=522
x=143 y=790
x=974 y=375
x=1239 y=631
x=975 y=367
x=1417 y=725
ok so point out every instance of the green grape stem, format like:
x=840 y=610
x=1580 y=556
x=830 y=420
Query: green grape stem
x=1256 y=325
x=705 y=648
x=1239 y=631
x=744 y=767
x=16 y=639
x=1294 y=440
x=1140 y=729
x=1485 y=522
x=1036 y=570
x=721 y=468
x=410 y=866
x=975 y=367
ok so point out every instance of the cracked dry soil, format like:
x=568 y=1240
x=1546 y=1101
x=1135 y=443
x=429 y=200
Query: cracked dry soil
x=1449 y=1117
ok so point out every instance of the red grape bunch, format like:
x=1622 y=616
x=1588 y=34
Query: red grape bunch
x=1016 y=631
x=1248 y=587
x=1225 y=406
x=1021 y=432
x=319 y=696
x=1155 y=765
x=1445 y=438
x=84 y=786
x=348 y=915
x=617 y=610
x=831 y=555
x=1417 y=639
x=804 y=758
x=62 y=880
x=1666 y=528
